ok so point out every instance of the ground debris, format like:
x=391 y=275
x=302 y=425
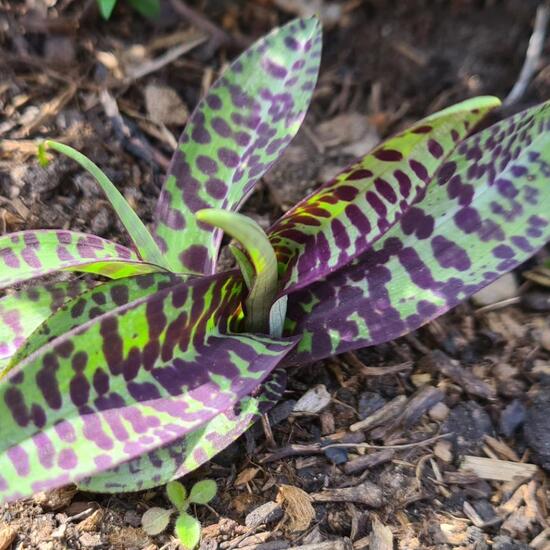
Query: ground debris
x=365 y=493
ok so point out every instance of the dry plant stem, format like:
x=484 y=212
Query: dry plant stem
x=162 y=60
x=532 y=57
x=218 y=37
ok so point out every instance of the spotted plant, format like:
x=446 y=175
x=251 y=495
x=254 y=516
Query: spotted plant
x=127 y=384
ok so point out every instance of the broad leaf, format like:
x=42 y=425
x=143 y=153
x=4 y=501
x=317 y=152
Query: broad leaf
x=126 y=383
x=177 y=495
x=203 y=491
x=29 y=254
x=193 y=450
x=242 y=125
x=486 y=212
x=188 y=530
x=97 y=301
x=346 y=216
x=23 y=311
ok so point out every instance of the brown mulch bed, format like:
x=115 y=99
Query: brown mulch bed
x=438 y=440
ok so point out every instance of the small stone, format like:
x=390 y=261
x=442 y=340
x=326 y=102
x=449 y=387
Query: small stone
x=336 y=455
x=56 y=499
x=59 y=50
x=90 y=540
x=544 y=339
x=476 y=539
x=444 y=451
x=503 y=542
x=164 y=105
x=502 y=289
x=266 y=513
x=131 y=517
x=469 y=423
x=536 y=301
x=369 y=403
x=313 y=401
x=537 y=427
x=512 y=417
x=439 y=412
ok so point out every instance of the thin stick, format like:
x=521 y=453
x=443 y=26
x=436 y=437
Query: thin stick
x=159 y=62
x=532 y=56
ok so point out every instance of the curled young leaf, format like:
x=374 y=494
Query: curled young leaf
x=261 y=254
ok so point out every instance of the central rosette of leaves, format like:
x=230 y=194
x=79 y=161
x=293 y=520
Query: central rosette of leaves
x=258 y=267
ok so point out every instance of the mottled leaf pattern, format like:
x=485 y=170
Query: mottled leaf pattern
x=187 y=454
x=30 y=254
x=127 y=382
x=22 y=311
x=486 y=212
x=347 y=215
x=97 y=301
x=247 y=118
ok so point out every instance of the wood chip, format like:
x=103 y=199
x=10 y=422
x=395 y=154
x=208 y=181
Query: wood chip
x=7 y=536
x=381 y=537
x=366 y=493
x=498 y=470
x=248 y=474
x=388 y=412
x=368 y=461
x=440 y=362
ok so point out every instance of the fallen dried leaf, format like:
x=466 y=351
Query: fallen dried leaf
x=296 y=503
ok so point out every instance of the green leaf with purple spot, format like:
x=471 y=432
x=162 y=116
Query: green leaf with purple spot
x=21 y=312
x=485 y=213
x=29 y=254
x=346 y=216
x=126 y=383
x=237 y=131
x=188 y=453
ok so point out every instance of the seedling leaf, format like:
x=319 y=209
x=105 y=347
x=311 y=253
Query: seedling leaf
x=203 y=491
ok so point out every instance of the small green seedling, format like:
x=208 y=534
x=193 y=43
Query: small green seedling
x=147 y=8
x=187 y=528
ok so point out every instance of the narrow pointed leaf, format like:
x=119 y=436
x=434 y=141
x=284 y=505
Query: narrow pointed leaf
x=188 y=453
x=347 y=215
x=29 y=254
x=485 y=213
x=23 y=311
x=145 y=244
x=126 y=383
x=242 y=125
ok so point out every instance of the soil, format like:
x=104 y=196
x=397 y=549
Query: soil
x=319 y=480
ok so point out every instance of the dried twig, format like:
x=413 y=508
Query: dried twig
x=162 y=60
x=532 y=56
